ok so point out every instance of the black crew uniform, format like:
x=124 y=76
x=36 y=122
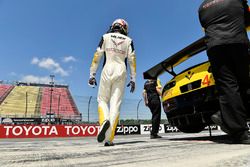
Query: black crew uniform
x=224 y=22
x=154 y=104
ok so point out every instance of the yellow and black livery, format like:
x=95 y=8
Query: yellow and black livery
x=189 y=98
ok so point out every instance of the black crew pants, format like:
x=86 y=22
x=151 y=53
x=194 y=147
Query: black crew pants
x=155 y=108
x=230 y=68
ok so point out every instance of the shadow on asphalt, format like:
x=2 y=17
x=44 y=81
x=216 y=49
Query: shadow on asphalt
x=129 y=142
x=223 y=139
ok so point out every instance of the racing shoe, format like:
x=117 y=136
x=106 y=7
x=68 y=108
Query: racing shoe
x=104 y=128
x=216 y=118
x=109 y=143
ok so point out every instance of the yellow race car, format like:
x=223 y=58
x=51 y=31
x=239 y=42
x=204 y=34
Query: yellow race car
x=189 y=98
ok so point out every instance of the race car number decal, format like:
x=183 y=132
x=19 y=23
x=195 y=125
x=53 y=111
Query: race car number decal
x=206 y=80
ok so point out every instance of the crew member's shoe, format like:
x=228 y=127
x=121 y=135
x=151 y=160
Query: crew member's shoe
x=247 y=141
x=216 y=118
x=241 y=138
x=104 y=128
x=155 y=136
x=108 y=143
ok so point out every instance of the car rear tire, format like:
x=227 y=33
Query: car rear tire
x=191 y=128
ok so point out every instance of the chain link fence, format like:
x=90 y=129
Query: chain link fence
x=131 y=109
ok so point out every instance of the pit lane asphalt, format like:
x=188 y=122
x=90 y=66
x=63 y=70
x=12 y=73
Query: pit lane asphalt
x=173 y=150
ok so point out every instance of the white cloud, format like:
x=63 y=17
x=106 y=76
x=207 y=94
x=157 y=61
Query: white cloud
x=36 y=79
x=49 y=64
x=68 y=59
x=13 y=74
x=35 y=60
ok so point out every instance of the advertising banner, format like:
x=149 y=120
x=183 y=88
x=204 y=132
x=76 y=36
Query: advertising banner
x=146 y=128
x=170 y=129
x=20 y=121
x=127 y=129
x=212 y=127
x=46 y=131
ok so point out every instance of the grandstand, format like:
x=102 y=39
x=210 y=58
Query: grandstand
x=62 y=103
x=38 y=102
x=4 y=91
x=20 y=102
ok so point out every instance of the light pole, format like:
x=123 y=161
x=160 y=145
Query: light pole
x=26 y=106
x=58 y=108
x=89 y=106
x=51 y=90
x=138 y=108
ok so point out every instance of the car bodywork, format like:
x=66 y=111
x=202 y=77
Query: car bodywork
x=189 y=98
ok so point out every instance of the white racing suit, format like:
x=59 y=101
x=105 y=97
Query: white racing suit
x=117 y=49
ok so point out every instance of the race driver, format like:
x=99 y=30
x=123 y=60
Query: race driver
x=117 y=49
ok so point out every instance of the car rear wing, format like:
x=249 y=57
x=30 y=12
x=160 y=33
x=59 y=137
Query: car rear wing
x=174 y=60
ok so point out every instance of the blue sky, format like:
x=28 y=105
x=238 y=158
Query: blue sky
x=43 y=37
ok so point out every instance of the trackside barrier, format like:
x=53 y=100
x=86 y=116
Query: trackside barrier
x=146 y=128
x=47 y=131
x=81 y=130
x=128 y=130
